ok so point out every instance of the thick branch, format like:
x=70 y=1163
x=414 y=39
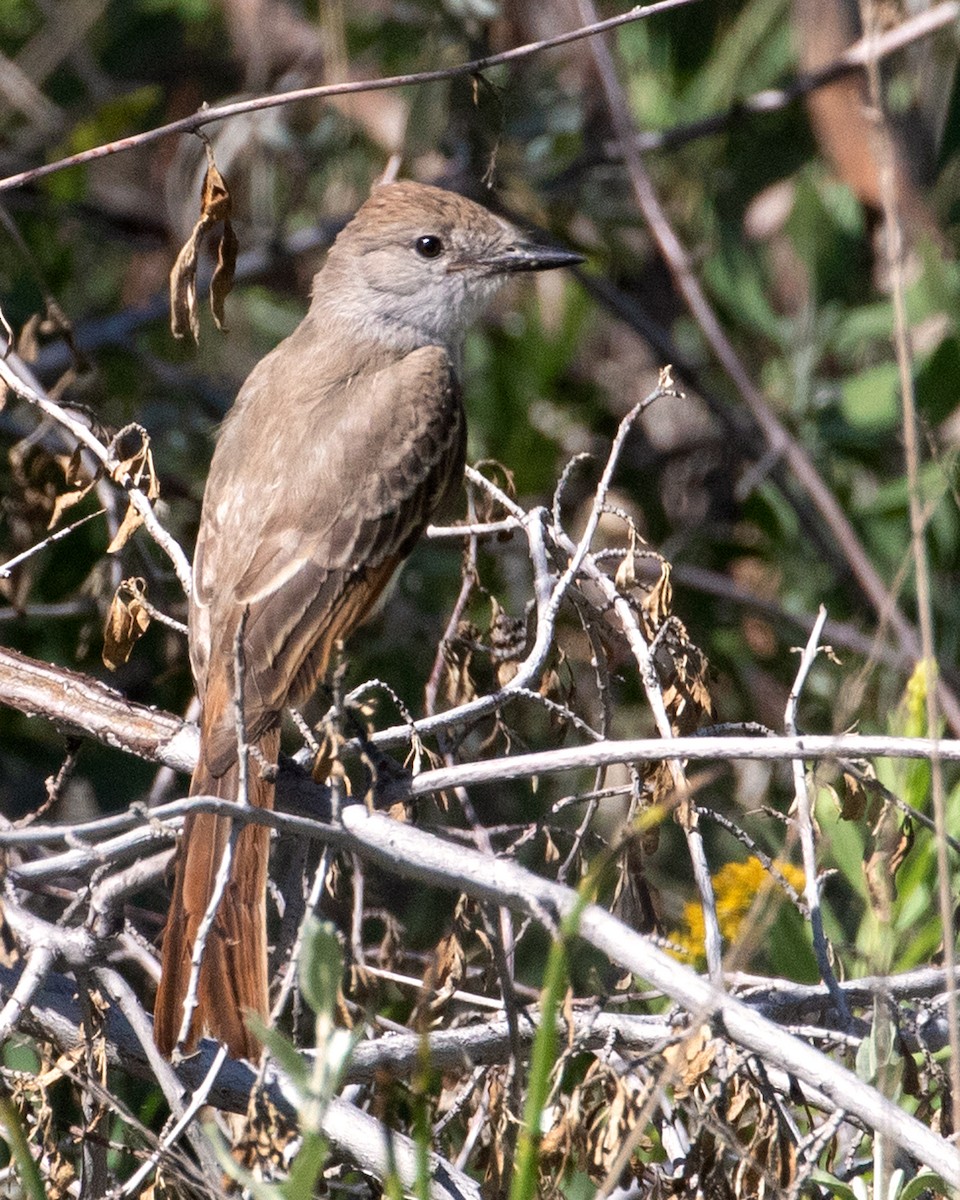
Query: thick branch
x=56 y=1015
x=419 y=855
x=81 y=704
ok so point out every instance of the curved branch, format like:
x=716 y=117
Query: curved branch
x=208 y=115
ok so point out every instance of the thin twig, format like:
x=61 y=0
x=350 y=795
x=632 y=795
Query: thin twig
x=802 y=801
x=39 y=962
x=208 y=115
x=771 y=100
x=122 y=994
x=293 y=963
x=520 y=766
x=197 y=1101
x=19 y=379
x=418 y=855
x=778 y=438
x=8 y=566
x=894 y=246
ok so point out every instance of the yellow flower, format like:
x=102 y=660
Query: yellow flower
x=735 y=886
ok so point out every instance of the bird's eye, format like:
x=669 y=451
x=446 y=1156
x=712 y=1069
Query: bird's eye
x=428 y=246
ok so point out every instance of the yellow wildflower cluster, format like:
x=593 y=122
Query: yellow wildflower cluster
x=736 y=887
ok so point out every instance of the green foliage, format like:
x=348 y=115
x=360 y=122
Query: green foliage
x=788 y=256
x=311 y=1083
x=11 y=1129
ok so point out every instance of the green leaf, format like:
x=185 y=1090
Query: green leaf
x=290 y=1060
x=321 y=966
x=837 y=1189
x=306 y=1168
x=870 y=401
x=922 y=1182
x=938 y=381
x=27 y=1171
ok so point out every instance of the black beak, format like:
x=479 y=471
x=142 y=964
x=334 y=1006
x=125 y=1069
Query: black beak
x=526 y=256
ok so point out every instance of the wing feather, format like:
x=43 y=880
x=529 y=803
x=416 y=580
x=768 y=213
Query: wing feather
x=350 y=476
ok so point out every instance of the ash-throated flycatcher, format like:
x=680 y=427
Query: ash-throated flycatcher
x=340 y=446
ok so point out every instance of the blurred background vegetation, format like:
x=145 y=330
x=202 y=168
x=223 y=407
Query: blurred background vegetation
x=780 y=212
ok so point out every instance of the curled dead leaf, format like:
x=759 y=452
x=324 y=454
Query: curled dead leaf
x=509 y=639
x=458 y=684
x=221 y=284
x=134 y=464
x=691 y=1059
x=127 y=621
x=215 y=206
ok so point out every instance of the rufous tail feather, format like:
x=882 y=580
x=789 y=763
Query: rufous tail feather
x=233 y=970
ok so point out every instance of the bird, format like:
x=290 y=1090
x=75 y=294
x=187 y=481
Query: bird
x=341 y=444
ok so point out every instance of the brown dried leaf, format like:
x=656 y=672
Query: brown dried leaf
x=43 y=485
x=215 y=205
x=683 y=669
x=138 y=467
x=855 y=798
x=128 y=526
x=658 y=603
x=625 y=579
x=890 y=842
x=691 y=1059
x=508 y=642
x=127 y=621
x=458 y=685
x=221 y=284
x=184 y=317
x=327 y=764
x=485 y=504
x=78 y=482
x=137 y=460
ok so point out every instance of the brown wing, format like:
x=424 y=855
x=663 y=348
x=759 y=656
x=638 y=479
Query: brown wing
x=306 y=535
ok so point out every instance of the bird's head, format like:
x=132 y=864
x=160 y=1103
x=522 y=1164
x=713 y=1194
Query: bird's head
x=417 y=264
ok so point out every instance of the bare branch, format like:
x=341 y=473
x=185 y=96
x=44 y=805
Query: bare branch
x=894 y=247
x=802 y=802
x=857 y=56
x=352 y=1133
x=207 y=115
x=81 y=704
x=778 y=438
x=20 y=380
x=58 y=535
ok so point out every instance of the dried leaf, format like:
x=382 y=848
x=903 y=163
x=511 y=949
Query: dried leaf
x=508 y=642
x=215 y=205
x=458 y=685
x=890 y=842
x=184 y=317
x=76 y=480
x=221 y=284
x=215 y=202
x=855 y=798
x=691 y=1059
x=128 y=526
x=130 y=446
x=485 y=504
x=127 y=621
x=625 y=579
x=137 y=466
x=658 y=603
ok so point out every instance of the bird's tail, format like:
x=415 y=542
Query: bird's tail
x=233 y=970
